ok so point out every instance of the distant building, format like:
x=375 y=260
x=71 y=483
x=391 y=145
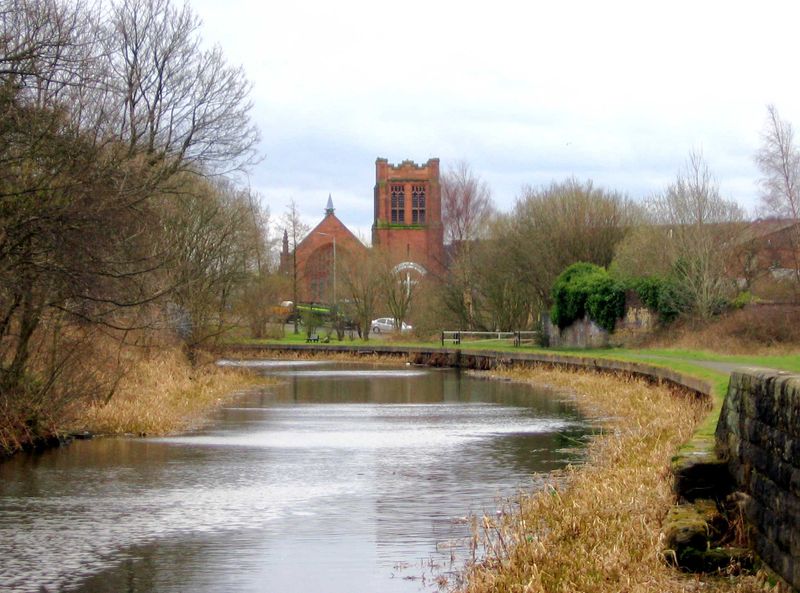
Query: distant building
x=408 y=214
x=407 y=224
x=767 y=248
x=315 y=257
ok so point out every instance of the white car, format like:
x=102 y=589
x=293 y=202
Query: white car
x=386 y=324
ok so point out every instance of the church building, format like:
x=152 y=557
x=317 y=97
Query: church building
x=407 y=224
x=316 y=257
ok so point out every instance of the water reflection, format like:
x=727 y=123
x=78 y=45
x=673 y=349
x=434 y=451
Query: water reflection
x=335 y=480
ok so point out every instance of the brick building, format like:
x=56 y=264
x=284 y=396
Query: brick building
x=767 y=248
x=408 y=214
x=317 y=255
x=407 y=225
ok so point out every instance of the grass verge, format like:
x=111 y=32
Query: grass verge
x=599 y=529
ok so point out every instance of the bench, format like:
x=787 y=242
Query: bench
x=313 y=338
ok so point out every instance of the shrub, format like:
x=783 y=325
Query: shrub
x=311 y=320
x=606 y=303
x=743 y=298
x=582 y=289
x=662 y=295
x=649 y=289
x=762 y=325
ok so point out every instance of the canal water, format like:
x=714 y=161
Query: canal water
x=340 y=479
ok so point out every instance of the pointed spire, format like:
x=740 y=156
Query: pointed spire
x=329 y=208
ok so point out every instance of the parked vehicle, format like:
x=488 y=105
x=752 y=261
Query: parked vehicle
x=325 y=314
x=386 y=324
x=284 y=312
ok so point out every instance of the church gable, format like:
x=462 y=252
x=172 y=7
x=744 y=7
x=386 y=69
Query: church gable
x=318 y=254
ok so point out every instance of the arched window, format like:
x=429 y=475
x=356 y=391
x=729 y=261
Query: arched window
x=418 y=204
x=398 y=204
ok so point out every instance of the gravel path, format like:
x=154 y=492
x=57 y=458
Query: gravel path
x=723 y=367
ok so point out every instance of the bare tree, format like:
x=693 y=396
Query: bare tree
x=643 y=252
x=504 y=281
x=82 y=216
x=264 y=286
x=362 y=283
x=779 y=162
x=215 y=249
x=502 y=302
x=555 y=226
x=399 y=288
x=180 y=104
x=47 y=46
x=73 y=252
x=296 y=230
x=700 y=228
x=466 y=204
x=466 y=210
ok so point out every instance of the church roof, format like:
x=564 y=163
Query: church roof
x=330 y=226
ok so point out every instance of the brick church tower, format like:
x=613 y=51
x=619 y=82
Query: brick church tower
x=408 y=214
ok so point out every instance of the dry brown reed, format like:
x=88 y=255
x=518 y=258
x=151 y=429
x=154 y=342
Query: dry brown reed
x=754 y=330
x=161 y=392
x=598 y=529
x=366 y=356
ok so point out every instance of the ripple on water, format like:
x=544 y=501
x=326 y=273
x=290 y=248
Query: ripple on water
x=270 y=364
x=355 y=374
x=93 y=530
x=376 y=482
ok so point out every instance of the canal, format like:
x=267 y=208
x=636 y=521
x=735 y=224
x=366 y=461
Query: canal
x=341 y=479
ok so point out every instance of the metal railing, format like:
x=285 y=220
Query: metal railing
x=456 y=337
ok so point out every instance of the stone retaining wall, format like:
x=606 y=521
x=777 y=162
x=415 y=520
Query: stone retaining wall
x=758 y=435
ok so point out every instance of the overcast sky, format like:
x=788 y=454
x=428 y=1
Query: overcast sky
x=527 y=93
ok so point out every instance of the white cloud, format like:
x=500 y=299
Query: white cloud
x=619 y=92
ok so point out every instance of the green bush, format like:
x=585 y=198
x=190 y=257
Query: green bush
x=743 y=298
x=648 y=290
x=583 y=289
x=606 y=303
x=662 y=295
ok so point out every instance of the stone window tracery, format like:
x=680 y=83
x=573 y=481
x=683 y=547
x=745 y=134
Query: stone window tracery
x=398 y=204
x=418 y=204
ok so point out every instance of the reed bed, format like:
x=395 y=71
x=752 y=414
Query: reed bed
x=597 y=528
x=163 y=393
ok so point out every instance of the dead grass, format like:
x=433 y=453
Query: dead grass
x=366 y=357
x=162 y=393
x=598 y=530
x=755 y=330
